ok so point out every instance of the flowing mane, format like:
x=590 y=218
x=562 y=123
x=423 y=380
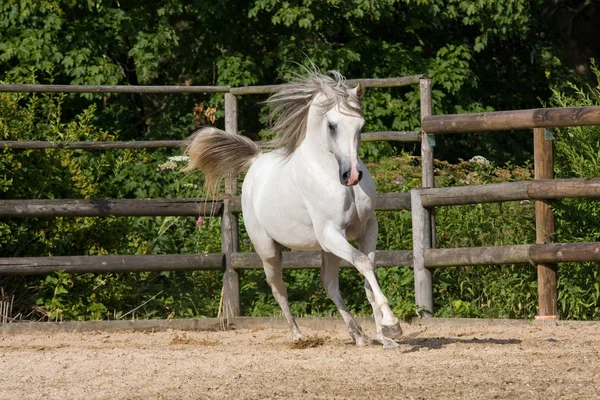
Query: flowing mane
x=289 y=106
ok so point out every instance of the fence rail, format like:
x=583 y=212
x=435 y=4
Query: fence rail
x=507 y=120
x=391 y=136
x=177 y=262
x=132 y=89
x=246 y=90
x=539 y=189
x=513 y=254
x=104 y=264
x=205 y=207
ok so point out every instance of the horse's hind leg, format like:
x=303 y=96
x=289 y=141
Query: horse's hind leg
x=270 y=254
x=274 y=273
x=330 y=277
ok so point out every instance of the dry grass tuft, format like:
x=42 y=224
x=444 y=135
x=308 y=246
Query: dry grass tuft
x=308 y=342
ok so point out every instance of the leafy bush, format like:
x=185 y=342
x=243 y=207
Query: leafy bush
x=578 y=220
x=58 y=173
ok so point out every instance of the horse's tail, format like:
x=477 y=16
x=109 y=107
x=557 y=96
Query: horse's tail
x=219 y=154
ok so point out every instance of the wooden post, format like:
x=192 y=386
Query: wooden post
x=423 y=219
x=229 y=226
x=544 y=226
x=427 y=144
x=421 y=229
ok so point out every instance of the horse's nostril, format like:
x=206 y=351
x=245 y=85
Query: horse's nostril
x=346 y=176
x=359 y=175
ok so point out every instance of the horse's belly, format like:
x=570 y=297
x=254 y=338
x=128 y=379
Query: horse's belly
x=288 y=224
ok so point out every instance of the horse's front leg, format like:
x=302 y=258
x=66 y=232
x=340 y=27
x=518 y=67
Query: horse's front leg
x=367 y=244
x=330 y=267
x=333 y=240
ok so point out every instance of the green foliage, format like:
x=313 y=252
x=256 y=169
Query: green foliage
x=482 y=55
x=485 y=292
x=578 y=220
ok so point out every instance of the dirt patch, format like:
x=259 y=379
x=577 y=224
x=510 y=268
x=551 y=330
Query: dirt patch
x=503 y=361
x=183 y=338
x=308 y=342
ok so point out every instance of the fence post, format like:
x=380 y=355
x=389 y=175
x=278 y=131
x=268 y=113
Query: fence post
x=427 y=144
x=421 y=228
x=229 y=225
x=544 y=226
x=424 y=219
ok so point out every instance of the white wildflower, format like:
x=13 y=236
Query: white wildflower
x=179 y=158
x=167 y=165
x=480 y=160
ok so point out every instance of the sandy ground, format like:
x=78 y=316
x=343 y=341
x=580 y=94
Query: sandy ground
x=481 y=361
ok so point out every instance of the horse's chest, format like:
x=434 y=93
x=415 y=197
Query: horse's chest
x=348 y=210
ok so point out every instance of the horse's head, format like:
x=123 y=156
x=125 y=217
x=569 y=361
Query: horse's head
x=341 y=130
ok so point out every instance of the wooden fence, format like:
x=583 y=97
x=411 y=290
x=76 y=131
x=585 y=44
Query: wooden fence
x=545 y=254
x=228 y=206
x=424 y=255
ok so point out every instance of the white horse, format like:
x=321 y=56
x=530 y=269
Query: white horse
x=313 y=193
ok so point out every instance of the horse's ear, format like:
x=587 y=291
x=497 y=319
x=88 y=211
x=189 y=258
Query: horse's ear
x=359 y=90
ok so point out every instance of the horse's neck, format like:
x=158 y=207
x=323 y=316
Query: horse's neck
x=314 y=150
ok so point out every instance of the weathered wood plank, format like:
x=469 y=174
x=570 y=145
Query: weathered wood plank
x=433 y=258
x=392 y=136
x=112 y=89
x=461 y=195
x=116 y=207
x=565 y=252
x=388 y=82
x=544 y=227
x=515 y=119
x=542 y=189
x=99 y=145
x=392 y=201
x=230 y=225
x=103 y=264
x=398 y=136
x=264 y=89
x=548 y=253
x=151 y=207
x=548 y=189
x=312 y=259
x=492 y=255
x=427 y=143
x=421 y=228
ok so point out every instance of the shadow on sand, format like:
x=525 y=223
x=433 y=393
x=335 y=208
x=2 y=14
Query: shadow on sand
x=436 y=343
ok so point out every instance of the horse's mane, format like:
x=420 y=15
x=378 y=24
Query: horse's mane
x=289 y=106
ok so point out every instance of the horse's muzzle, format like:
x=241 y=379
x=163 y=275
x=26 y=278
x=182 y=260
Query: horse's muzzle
x=346 y=178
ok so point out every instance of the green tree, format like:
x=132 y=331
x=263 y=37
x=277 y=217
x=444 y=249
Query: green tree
x=482 y=55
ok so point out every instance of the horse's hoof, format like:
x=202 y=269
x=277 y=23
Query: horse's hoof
x=298 y=337
x=389 y=344
x=392 y=331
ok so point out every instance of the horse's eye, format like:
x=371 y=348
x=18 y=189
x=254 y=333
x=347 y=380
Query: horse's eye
x=332 y=127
